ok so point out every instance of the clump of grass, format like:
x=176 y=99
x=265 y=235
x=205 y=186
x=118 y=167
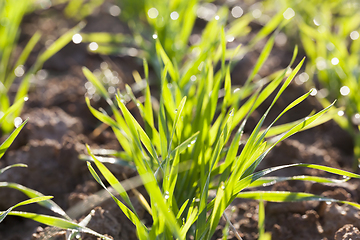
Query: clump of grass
x=189 y=144
x=329 y=33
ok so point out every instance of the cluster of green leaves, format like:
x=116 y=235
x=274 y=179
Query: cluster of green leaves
x=184 y=147
x=329 y=33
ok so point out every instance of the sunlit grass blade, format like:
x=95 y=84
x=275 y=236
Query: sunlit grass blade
x=12 y=166
x=184 y=145
x=35 y=194
x=26 y=202
x=274 y=196
x=24 y=55
x=57 y=222
x=262 y=58
x=111 y=179
x=143 y=136
x=58 y=44
x=129 y=214
x=268 y=181
x=13 y=108
x=6 y=144
x=261 y=217
x=177 y=116
x=98 y=85
x=167 y=62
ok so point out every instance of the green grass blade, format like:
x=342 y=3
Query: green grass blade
x=261 y=221
x=111 y=179
x=57 y=222
x=49 y=204
x=129 y=214
x=289 y=197
x=12 y=166
x=16 y=107
x=268 y=181
x=143 y=136
x=24 y=55
x=57 y=45
x=184 y=145
x=6 y=144
x=98 y=85
x=262 y=58
x=26 y=202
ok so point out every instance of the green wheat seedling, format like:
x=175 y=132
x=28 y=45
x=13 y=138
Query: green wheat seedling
x=187 y=148
x=330 y=35
x=172 y=23
x=11 y=15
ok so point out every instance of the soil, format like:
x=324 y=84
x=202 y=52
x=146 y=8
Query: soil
x=60 y=125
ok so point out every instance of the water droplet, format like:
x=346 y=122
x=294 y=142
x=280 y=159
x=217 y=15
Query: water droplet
x=328 y=202
x=166 y=195
x=17 y=121
x=354 y=35
x=193 y=78
x=88 y=85
x=169 y=85
x=321 y=63
x=231 y=113
x=132 y=52
x=236 y=90
x=344 y=90
x=93 y=46
x=153 y=13
x=19 y=71
x=78 y=236
x=104 y=65
x=77 y=38
x=111 y=90
x=341 y=113
x=230 y=38
x=154 y=36
x=330 y=46
x=193 y=141
x=26 y=99
x=189 y=145
x=176 y=110
x=201 y=66
x=41 y=74
x=289 y=13
x=174 y=15
x=316 y=21
x=237 y=11
x=217 y=17
x=334 y=61
x=303 y=77
x=223 y=187
x=313 y=92
x=356 y=119
x=256 y=13
x=92 y=212
x=206 y=11
x=281 y=39
x=114 y=11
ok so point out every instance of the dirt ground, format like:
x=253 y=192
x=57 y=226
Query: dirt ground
x=60 y=125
